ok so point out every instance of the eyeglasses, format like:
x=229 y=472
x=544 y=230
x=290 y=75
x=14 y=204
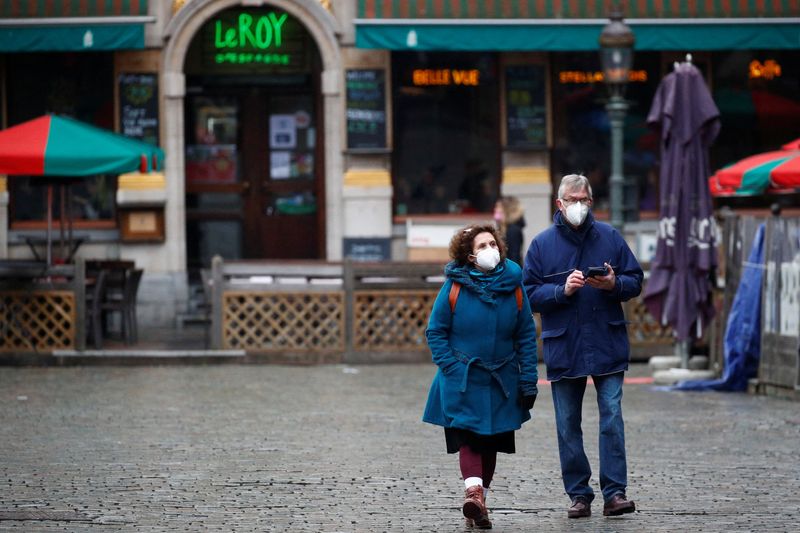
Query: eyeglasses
x=584 y=201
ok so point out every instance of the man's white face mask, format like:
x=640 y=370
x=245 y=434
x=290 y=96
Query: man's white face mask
x=576 y=213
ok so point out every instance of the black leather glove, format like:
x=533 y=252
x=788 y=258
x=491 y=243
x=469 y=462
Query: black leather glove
x=526 y=402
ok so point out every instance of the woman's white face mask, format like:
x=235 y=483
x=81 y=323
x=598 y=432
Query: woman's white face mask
x=576 y=213
x=488 y=258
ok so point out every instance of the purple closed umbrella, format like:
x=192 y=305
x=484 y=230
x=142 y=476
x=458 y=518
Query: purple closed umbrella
x=678 y=292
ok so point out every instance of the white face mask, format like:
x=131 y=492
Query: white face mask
x=576 y=213
x=488 y=258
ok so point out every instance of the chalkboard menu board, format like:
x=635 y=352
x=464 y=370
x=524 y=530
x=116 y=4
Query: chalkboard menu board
x=138 y=106
x=368 y=249
x=366 y=108
x=526 y=117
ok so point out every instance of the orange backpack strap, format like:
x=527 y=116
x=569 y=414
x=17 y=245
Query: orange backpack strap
x=455 y=288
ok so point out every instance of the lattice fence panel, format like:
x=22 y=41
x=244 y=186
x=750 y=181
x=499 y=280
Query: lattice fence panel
x=391 y=320
x=37 y=320
x=283 y=321
x=642 y=327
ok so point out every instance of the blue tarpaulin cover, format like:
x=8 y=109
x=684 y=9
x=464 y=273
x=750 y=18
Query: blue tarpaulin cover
x=742 y=343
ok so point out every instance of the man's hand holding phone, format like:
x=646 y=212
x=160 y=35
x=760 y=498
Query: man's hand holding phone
x=601 y=277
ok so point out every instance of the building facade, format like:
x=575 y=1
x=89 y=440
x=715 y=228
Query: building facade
x=325 y=129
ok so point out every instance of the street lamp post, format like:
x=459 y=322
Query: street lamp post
x=616 y=57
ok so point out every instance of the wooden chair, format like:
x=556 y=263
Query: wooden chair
x=94 y=311
x=124 y=303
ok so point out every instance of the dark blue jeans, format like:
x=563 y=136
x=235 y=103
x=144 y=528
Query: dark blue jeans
x=575 y=469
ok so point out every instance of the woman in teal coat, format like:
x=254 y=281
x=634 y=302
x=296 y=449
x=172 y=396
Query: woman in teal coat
x=483 y=339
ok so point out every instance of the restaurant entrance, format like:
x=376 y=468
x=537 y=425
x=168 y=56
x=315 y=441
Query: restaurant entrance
x=253 y=145
x=252 y=174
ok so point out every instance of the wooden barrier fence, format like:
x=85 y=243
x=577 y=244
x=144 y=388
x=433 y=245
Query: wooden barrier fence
x=42 y=309
x=347 y=312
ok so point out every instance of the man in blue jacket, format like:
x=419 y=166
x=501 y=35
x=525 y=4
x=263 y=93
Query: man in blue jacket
x=576 y=274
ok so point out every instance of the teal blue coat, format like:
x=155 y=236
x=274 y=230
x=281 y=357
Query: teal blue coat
x=485 y=351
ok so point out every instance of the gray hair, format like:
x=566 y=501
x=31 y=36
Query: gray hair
x=574 y=182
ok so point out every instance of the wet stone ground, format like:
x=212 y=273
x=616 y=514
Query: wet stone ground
x=335 y=448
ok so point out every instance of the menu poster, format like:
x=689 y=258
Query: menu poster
x=526 y=122
x=138 y=106
x=282 y=132
x=366 y=108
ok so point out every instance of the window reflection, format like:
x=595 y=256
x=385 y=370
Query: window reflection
x=582 y=132
x=446 y=120
x=211 y=151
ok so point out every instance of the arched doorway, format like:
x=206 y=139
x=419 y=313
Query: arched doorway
x=251 y=92
x=253 y=134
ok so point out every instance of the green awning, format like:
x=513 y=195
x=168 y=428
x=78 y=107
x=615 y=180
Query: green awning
x=486 y=25
x=516 y=34
x=81 y=37
x=72 y=25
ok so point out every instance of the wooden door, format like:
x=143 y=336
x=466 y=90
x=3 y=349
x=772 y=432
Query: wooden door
x=280 y=142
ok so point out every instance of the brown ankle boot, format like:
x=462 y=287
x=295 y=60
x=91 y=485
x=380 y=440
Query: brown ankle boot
x=483 y=521
x=473 y=503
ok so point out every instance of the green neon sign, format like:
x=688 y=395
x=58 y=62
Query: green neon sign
x=263 y=32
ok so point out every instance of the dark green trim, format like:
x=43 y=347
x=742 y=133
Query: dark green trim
x=72 y=38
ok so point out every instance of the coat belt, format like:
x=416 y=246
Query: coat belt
x=491 y=367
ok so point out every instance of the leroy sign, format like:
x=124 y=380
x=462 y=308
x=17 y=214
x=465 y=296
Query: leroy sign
x=249 y=32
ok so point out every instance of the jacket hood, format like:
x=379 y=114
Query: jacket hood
x=505 y=278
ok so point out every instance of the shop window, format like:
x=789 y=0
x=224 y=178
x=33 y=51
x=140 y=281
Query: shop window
x=446 y=156
x=582 y=132
x=88 y=200
x=758 y=96
x=78 y=85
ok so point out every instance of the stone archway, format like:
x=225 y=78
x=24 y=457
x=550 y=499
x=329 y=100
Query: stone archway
x=178 y=35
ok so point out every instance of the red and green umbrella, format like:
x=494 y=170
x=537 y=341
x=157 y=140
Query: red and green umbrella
x=775 y=171
x=53 y=145
x=60 y=147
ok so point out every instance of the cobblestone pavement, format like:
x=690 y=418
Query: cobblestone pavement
x=336 y=448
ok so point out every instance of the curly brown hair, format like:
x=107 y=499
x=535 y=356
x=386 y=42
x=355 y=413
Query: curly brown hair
x=461 y=243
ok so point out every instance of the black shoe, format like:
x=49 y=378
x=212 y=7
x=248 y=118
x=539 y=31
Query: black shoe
x=580 y=508
x=618 y=505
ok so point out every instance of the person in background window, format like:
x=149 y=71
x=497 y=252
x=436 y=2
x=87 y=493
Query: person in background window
x=476 y=187
x=510 y=220
x=429 y=194
x=482 y=337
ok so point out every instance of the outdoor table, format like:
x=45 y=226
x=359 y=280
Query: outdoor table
x=35 y=241
x=14 y=269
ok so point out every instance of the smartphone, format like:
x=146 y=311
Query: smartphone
x=594 y=272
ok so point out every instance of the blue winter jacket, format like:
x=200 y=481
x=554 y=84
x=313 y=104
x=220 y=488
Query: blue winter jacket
x=583 y=334
x=485 y=350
